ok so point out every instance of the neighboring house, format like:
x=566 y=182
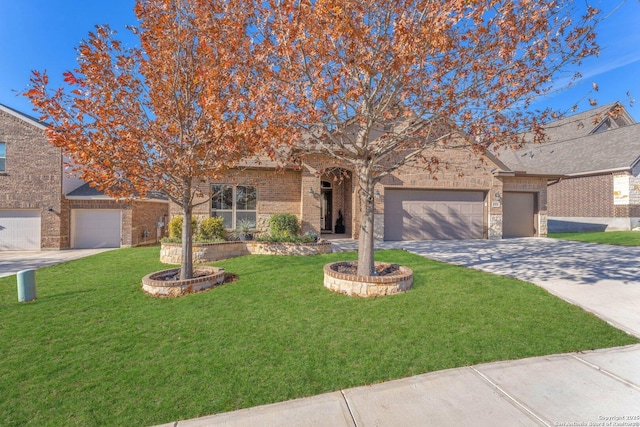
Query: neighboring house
x=478 y=199
x=597 y=157
x=42 y=207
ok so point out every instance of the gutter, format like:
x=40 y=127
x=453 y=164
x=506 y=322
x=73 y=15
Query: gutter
x=598 y=172
x=524 y=174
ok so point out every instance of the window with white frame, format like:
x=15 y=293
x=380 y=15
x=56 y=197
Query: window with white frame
x=235 y=203
x=3 y=157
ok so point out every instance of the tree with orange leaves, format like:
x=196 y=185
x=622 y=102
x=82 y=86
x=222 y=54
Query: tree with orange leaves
x=163 y=115
x=374 y=83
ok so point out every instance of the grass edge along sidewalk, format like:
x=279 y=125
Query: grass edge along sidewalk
x=620 y=238
x=94 y=350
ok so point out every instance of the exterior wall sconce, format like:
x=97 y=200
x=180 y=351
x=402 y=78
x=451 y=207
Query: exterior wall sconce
x=311 y=193
x=498 y=196
x=377 y=194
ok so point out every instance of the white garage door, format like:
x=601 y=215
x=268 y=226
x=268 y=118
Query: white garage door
x=94 y=228
x=433 y=215
x=20 y=230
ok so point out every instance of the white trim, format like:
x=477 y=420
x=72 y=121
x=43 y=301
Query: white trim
x=234 y=203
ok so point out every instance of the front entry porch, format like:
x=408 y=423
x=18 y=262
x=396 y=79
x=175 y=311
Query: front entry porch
x=327 y=202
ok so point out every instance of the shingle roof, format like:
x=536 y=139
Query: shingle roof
x=613 y=149
x=87 y=191
x=577 y=125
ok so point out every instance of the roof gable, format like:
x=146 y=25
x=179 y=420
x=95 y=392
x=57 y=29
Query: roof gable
x=24 y=117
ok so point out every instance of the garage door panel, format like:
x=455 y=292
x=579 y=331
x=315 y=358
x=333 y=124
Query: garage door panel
x=96 y=228
x=20 y=230
x=518 y=213
x=428 y=214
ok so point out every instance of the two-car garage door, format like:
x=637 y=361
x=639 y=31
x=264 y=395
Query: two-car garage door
x=433 y=214
x=20 y=230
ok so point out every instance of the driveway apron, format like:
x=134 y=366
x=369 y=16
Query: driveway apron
x=602 y=279
x=11 y=262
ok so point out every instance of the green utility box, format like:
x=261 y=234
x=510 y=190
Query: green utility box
x=26 y=285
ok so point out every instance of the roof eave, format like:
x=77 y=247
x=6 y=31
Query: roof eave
x=525 y=174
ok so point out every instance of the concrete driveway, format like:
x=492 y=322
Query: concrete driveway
x=602 y=279
x=11 y=262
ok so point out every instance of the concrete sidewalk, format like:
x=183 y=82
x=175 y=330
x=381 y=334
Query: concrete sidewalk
x=597 y=388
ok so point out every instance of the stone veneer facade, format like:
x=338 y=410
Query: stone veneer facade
x=171 y=253
x=299 y=191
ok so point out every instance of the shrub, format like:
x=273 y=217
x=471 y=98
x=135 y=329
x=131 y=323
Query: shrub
x=175 y=226
x=244 y=230
x=284 y=225
x=286 y=239
x=211 y=229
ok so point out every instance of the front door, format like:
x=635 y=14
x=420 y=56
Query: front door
x=325 y=210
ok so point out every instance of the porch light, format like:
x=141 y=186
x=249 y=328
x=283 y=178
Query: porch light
x=377 y=194
x=311 y=193
x=498 y=196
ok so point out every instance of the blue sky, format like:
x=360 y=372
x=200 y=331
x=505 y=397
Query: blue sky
x=42 y=35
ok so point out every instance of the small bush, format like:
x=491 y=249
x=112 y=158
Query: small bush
x=175 y=226
x=286 y=239
x=284 y=225
x=244 y=230
x=171 y=240
x=211 y=229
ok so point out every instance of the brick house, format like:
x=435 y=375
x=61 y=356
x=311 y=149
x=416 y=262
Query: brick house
x=596 y=157
x=479 y=199
x=41 y=207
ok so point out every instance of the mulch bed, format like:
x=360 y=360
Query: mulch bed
x=381 y=269
x=172 y=276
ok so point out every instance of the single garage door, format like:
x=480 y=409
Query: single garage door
x=96 y=228
x=20 y=230
x=433 y=215
x=518 y=214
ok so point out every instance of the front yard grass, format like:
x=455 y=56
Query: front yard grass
x=621 y=238
x=93 y=349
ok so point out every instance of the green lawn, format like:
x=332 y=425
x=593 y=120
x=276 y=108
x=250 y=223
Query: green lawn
x=622 y=238
x=95 y=350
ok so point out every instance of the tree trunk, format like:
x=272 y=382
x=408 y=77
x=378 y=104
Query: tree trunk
x=186 y=267
x=365 y=238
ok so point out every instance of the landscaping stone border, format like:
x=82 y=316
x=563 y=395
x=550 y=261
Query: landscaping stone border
x=171 y=253
x=175 y=288
x=367 y=286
